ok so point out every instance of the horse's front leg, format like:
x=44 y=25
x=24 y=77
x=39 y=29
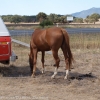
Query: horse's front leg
x=42 y=60
x=34 y=61
x=31 y=63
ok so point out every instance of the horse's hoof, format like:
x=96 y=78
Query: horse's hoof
x=33 y=75
x=42 y=72
x=52 y=77
x=65 y=78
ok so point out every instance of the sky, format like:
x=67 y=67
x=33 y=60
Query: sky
x=33 y=7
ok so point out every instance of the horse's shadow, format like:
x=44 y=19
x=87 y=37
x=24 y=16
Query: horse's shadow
x=72 y=75
x=80 y=76
x=24 y=71
x=15 y=71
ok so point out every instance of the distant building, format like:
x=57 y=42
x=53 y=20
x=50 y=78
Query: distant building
x=69 y=18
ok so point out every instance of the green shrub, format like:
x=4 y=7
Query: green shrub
x=46 y=23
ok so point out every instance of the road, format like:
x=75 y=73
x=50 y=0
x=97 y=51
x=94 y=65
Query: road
x=69 y=30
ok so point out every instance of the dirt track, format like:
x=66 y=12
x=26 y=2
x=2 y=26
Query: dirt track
x=83 y=84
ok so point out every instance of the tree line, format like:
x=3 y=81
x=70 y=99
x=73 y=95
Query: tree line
x=43 y=18
x=36 y=18
x=89 y=19
x=18 y=18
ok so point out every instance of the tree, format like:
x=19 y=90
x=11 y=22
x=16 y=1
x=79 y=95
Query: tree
x=63 y=19
x=87 y=20
x=56 y=18
x=78 y=20
x=16 y=19
x=94 y=17
x=7 y=18
x=51 y=17
x=46 y=23
x=41 y=16
x=28 y=19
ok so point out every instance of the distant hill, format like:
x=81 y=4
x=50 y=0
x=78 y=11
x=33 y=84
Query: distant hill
x=85 y=13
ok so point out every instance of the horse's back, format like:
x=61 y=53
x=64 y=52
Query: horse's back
x=45 y=39
x=54 y=37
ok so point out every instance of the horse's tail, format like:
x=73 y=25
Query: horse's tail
x=69 y=53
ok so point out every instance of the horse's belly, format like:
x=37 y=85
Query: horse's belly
x=43 y=48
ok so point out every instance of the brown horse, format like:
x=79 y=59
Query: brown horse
x=50 y=39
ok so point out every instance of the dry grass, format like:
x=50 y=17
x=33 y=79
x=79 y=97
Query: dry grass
x=77 y=41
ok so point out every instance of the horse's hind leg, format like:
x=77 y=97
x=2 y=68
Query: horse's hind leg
x=64 y=49
x=42 y=59
x=57 y=60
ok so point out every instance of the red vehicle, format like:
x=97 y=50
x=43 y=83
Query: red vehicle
x=5 y=44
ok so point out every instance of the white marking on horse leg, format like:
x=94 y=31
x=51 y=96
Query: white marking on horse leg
x=43 y=70
x=55 y=73
x=67 y=73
